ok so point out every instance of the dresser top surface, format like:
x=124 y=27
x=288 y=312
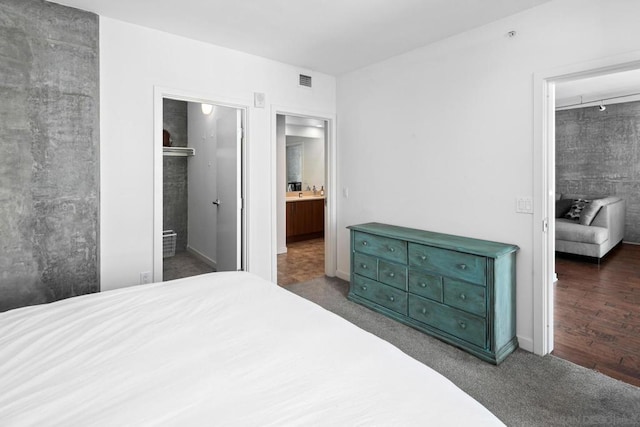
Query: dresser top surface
x=457 y=243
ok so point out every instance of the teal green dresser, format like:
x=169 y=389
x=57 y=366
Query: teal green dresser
x=458 y=289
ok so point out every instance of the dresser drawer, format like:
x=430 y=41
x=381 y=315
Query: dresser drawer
x=383 y=247
x=458 y=289
x=471 y=268
x=426 y=285
x=467 y=297
x=386 y=296
x=365 y=265
x=392 y=274
x=463 y=325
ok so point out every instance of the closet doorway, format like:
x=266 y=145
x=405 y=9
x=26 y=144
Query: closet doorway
x=200 y=222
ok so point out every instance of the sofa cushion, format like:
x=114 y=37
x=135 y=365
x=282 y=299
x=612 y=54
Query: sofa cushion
x=591 y=210
x=577 y=206
x=567 y=229
x=562 y=207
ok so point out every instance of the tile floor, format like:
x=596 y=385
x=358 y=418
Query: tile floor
x=302 y=262
x=183 y=264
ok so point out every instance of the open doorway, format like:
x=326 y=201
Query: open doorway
x=202 y=215
x=597 y=223
x=301 y=223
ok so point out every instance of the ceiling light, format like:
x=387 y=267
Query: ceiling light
x=206 y=109
x=602 y=106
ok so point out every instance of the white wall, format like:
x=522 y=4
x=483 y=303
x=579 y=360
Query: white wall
x=202 y=182
x=441 y=138
x=134 y=60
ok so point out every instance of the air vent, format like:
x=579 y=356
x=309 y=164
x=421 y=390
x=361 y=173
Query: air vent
x=304 y=80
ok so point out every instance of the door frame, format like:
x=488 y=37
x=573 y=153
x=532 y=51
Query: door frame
x=330 y=220
x=544 y=183
x=159 y=93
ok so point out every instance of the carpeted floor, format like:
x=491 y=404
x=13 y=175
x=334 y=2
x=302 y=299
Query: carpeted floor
x=524 y=390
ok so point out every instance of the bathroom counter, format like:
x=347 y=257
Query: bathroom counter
x=303 y=198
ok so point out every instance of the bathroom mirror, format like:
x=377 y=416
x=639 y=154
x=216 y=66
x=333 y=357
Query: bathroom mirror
x=294 y=164
x=305 y=139
x=305 y=162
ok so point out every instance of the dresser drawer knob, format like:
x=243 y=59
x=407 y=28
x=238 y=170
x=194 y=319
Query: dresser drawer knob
x=463 y=296
x=392 y=249
x=423 y=257
x=462 y=266
x=392 y=298
x=392 y=274
x=424 y=285
x=424 y=311
x=364 y=243
x=364 y=288
x=364 y=266
x=462 y=324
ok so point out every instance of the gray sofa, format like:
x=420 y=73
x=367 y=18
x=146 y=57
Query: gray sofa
x=593 y=238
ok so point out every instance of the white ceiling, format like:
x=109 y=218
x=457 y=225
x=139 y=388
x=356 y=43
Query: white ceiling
x=330 y=36
x=610 y=88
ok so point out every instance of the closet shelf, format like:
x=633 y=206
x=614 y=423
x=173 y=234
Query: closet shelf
x=178 y=151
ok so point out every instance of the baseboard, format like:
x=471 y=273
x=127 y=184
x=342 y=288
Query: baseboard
x=525 y=344
x=342 y=275
x=282 y=250
x=202 y=257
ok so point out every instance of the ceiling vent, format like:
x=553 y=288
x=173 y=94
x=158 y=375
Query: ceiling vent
x=304 y=81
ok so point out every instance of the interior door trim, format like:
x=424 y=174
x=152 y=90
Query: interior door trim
x=331 y=220
x=159 y=93
x=544 y=185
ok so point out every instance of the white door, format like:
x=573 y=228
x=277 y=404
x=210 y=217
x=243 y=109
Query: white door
x=229 y=186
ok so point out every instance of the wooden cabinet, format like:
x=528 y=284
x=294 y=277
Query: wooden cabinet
x=305 y=219
x=457 y=289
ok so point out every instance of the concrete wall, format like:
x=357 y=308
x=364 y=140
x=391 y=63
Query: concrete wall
x=49 y=195
x=174 y=170
x=441 y=138
x=598 y=153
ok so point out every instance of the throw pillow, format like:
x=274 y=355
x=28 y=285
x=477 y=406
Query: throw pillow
x=589 y=212
x=562 y=207
x=576 y=209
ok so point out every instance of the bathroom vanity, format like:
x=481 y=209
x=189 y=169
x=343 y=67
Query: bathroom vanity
x=305 y=218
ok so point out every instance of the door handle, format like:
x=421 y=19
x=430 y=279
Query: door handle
x=216 y=202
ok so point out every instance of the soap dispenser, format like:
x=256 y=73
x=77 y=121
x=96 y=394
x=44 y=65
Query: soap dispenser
x=322 y=190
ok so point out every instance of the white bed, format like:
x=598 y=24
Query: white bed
x=220 y=349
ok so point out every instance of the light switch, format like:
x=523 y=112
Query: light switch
x=258 y=99
x=524 y=204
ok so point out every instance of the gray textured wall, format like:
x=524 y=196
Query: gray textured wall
x=598 y=153
x=49 y=177
x=175 y=202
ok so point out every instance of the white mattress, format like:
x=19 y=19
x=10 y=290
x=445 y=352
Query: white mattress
x=220 y=349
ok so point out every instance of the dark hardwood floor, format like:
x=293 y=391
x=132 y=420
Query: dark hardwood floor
x=302 y=262
x=597 y=312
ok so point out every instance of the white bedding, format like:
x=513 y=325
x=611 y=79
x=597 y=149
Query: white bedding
x=221 y=349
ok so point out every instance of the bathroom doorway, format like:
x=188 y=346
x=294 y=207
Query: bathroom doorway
x=202 y=188
x=302 y=174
